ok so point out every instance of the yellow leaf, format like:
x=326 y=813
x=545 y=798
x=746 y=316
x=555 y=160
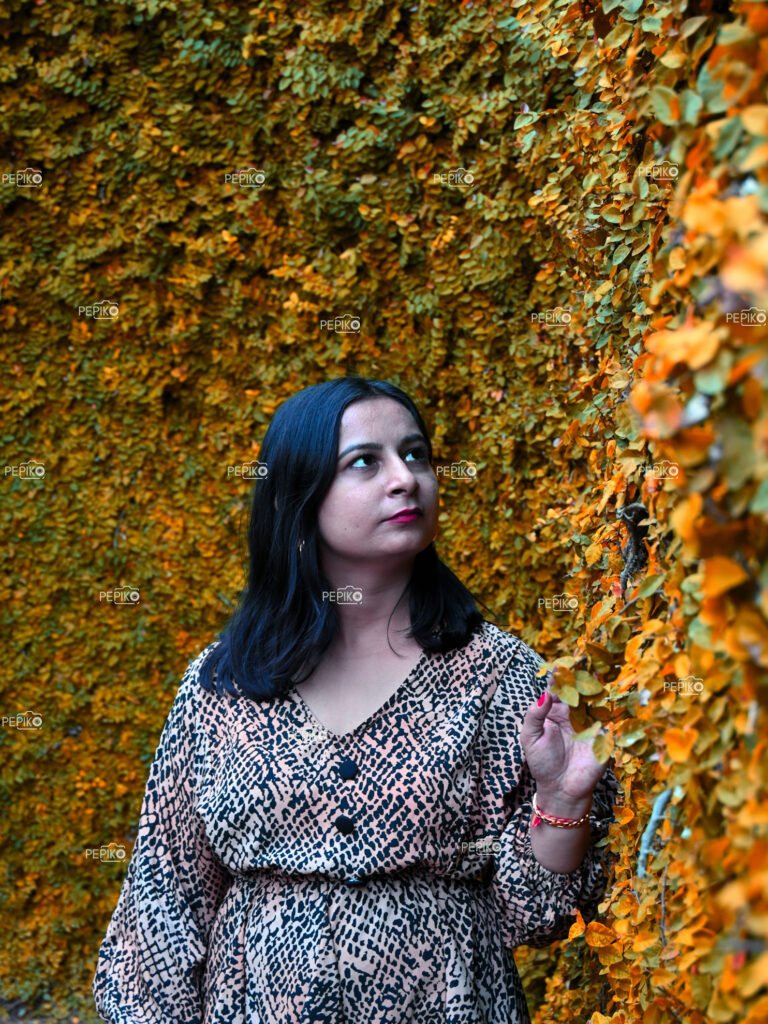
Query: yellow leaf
x=755 y=976
x=624 y=815
x=593 y=552
x=644 y=940
x=705 y=214
x=599 y=935
x=757 y=157
x=677 y=259
x=755 y=118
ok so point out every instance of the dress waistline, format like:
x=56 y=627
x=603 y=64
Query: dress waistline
x=480 y=879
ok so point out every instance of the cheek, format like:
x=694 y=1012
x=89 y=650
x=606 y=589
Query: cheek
x=344 y=511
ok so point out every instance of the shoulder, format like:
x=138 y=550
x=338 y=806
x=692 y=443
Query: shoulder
x=513 y=678
x=499 y=648
x=191 y=689
x=192 y=672
x=200 y=713
x=512 y=671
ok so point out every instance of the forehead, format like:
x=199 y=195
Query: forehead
x=374 y=419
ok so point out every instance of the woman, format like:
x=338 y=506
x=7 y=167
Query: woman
x=339 y=821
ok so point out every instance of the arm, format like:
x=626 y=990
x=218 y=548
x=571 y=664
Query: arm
x=538 y=897
x=544 y=873
x=560 y=849
x=151 y=960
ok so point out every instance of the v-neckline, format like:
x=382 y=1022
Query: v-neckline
x=380 y=710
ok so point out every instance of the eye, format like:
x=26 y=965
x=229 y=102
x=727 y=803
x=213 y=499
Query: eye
x=421 y=453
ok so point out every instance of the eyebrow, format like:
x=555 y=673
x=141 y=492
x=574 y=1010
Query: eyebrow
x=372 y=445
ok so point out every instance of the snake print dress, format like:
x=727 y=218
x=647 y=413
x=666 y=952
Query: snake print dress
x=284 y=874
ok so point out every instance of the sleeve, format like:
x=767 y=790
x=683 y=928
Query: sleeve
x=151 y=960
x=537 y=906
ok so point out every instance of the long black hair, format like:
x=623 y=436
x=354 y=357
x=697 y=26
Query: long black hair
x=280 y=624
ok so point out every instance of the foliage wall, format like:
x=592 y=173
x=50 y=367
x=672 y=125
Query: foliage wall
x=550 y=221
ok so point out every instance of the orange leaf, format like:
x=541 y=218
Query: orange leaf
x=578 y=926
x=684 y=516
x=721 y=574
x=695 y=346
x=680 y=743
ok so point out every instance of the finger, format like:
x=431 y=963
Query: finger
x=536 y=715
x=550 y=679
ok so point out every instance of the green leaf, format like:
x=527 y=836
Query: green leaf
x=568 y=694
x=630 y=737
x=728 y=137
x=662 y=98
x=649 y=586
x=711 y=91
x=692 y=25
x=587 y=685
x=619 y=35
x=612 y=214
x=690 y=106
x=651 y=24
x=759 y=502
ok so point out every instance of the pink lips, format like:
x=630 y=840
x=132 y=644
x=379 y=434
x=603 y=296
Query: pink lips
x=406 y=515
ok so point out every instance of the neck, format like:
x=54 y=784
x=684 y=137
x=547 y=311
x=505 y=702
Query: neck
x=366 y=625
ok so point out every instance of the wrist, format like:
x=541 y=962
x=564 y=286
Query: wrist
x=560 y=805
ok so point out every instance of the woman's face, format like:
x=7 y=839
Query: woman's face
x=383 y=467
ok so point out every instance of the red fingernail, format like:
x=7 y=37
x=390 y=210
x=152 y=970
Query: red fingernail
x=542 y=698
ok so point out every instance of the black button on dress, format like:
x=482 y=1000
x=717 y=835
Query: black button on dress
x=347 y=768
x=345 y=824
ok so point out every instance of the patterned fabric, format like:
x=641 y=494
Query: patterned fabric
x=283 y=874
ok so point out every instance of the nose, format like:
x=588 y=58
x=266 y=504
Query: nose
x=399 y=476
